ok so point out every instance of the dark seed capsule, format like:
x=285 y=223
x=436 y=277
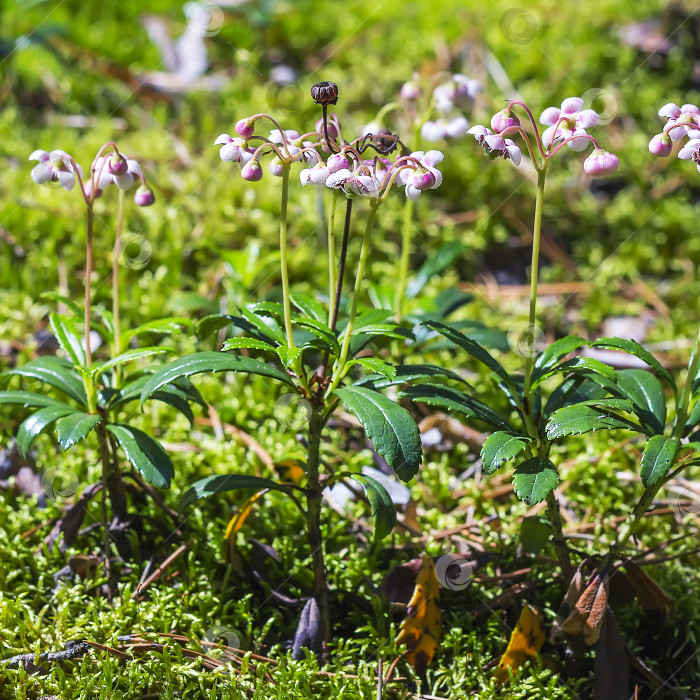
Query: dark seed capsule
x=325 y=93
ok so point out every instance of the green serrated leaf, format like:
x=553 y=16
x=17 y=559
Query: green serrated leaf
x=146 y=454
x=383 y=509
x=27 y=399
x=586 y=366
x=554 y=353
x=37 y=422
x=75 y=427
x=321 y=331
x=248 y=343
x=288 y=355
x=374 y=364
x=410 y=373
x=212 y=323
x=634 y=348
x=210 y=362
x=658 y=458
x=164 y=326
x=647 y=395
x=500 y=448
x=223 y=483
x=390 y=427
x=534 y=479
x=66 y=331
x=56 y=371
x=455 y=401
x=589 y=416
x=308 y=305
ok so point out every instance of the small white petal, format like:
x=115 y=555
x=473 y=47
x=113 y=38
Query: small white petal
x=224 y=138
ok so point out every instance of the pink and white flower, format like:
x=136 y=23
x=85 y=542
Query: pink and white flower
x=425 y=177
x=574 y=122
x=691 y=151
x=354 y=184
x=54 y=166
x=444 y=128
x=494 y=145
x=600 y=162
x=234 y=150
x=661 y=145
x=681 y=121
x=127 y=172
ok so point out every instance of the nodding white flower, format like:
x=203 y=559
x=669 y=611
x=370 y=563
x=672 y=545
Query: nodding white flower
x=661 y=145
x=503 y=120
x=575 y=121
x=316 y=175
x=54 y=166
x=276 y=135
x=425 y=177
x=353 y=184
x=443 y=128
x=128 y=172
x=691 y=151
x=600 y=162
x=681 y=121
x=494 y=145
x=234 y=149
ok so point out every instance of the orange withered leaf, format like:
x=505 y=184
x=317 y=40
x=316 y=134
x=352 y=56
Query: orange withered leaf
x=525 y=641
x=420 y=631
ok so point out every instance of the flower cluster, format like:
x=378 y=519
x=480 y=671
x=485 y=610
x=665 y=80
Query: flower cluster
x=450 y=97
x=113 y=168
x=680 y=122
x=566 y=125
x=332 y=161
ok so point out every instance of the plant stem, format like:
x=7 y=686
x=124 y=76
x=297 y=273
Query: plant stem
x=104 y=458
x=115 y=286
x=554 y=516
x=331 y=255
x=283 y=257
x=686 y=394
x=341 y=264
x=536 y=231
x=339 y=365
x=314 y=491
x=88 y=275
x=406 y=231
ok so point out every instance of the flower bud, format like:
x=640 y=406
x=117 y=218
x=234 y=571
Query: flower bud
x=410 y=91
x=503 y=120
x=338 y=161
x=661 y=145
x=117 y=164
x=252 y=171
x=245 y=128
x=600 y=162
x=276 y=167
x=144 y=196
x=325 y=93
x=423 y=179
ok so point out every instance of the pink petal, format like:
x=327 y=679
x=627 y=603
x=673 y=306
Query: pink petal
x=670 y=110
x=587 y=118
x=550 y=116
x=571 y=105
x=41 y=156
x=432 y=158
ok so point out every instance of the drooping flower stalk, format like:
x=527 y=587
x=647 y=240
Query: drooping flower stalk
x=286 y=303
x=115 y=285
x=332 y=280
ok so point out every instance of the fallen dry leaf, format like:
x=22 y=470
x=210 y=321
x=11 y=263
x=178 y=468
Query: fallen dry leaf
x=525 y=641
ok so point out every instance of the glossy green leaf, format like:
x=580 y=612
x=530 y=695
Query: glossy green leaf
x=375 y=365
x=146 y=454
x=658 y=458
x=554 y=353
x=578 y=365
x=161 y=326
x=288 y=355
x=65 y=329
x=454 y=401
x=223 y=483
x=589 y=416
x=386 y=330
x=75 y=427
x=390 y=427
x=534 y=479
x=634 y=348
x=210 y=362
x=411 y=373
x=248 y=343
x=647 y=395
x=500 y=448
x=129 y=356
x=309 y=306
x=56 y=371
x=535 y=532
x=472 y=348
x=62 y=299
x=37 y=422
x=212 y=323
x=27 y=398
x=573 y=390
x=383 y=508
x=321 y=331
